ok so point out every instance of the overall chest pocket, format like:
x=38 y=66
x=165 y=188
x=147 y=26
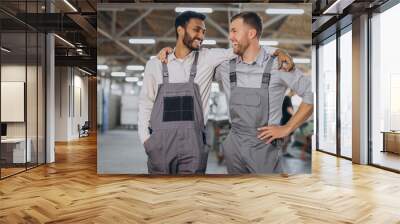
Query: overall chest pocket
x=245 y=108
x=250 y=100
x=178 y=108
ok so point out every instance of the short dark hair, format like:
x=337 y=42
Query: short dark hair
x=183 y=19
x=251 y=19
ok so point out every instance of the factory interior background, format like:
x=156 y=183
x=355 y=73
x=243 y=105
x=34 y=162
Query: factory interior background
x=125 y=45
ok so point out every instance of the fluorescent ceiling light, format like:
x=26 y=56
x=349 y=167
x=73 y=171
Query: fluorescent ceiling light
x=135 y=67
x=5 y=49
x=64 y=40
x=102 y=67
x=301 y=60
x=142 y=41
x=86 y=72
x=118 y=74
x=269 y=42
x=273 y=11
x=70 y=5
x=209 y=42
x=131 y=79
x=201 y=10
x=140 y=83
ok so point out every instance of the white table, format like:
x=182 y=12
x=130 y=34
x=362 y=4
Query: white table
x=19 y=149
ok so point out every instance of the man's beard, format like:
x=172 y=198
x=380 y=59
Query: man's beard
x=188 y=42
x=240 y=49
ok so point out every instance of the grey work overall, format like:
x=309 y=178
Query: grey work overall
x=249 y=110
x=176 y=144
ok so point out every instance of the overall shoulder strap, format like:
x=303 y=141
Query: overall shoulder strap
x=267 y=72
x=165 y=73
x=193 y=69
x=232 y=72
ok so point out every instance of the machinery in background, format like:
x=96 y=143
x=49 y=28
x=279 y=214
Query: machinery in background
x=218 y=124
x=129 y=111
x=217 y=131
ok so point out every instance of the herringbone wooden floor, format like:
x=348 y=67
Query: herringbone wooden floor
x=70 y=191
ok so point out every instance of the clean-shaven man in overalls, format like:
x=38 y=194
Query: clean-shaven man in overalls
x=255 y=90
x=173 y=103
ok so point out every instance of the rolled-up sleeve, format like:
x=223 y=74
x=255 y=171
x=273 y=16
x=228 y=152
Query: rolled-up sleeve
x=299 y=83
x=146 y=100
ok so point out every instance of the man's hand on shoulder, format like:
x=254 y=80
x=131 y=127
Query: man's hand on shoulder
x=163 y=54
x=284 y=60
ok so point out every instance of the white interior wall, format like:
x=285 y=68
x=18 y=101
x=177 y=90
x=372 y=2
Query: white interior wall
x=70 y=83
x=61 y=103
x=80 y=108
x=14 y=73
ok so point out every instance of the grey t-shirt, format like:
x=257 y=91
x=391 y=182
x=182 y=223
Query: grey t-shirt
x=250 y=76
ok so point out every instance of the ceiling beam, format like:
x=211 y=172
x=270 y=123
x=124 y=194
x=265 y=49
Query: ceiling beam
x=217 y=26
x=134 y=22
x=122 y=45
x=234 y=7
x=84 y=24
x=164 y=6
x=86 y=61
x=272 y=21
x=114 y=23
x=151 y=47
x=170 y=31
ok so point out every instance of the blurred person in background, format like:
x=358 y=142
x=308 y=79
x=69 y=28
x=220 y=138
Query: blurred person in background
x=287 y=113
x=287 y=107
